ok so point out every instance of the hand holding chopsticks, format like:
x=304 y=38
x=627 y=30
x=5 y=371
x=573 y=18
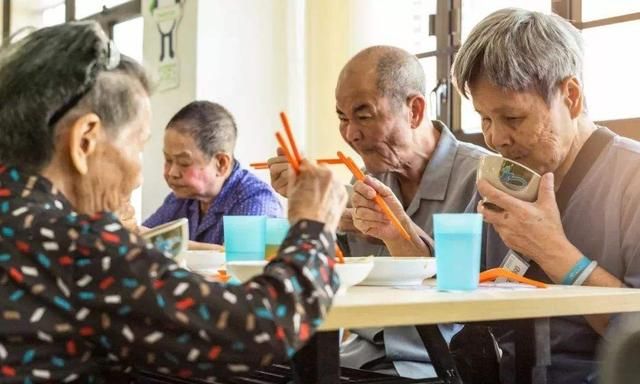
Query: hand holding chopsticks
x=322 y=178
x=357 y=173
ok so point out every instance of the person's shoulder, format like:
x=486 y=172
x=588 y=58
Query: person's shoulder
x=618 y=166
x=624 y=146
x=471 y=151
x=467 y=157
x=250 y=183
x=621 y=161
x=101 y=230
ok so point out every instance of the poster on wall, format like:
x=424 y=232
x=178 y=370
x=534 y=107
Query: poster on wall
x=167 y=15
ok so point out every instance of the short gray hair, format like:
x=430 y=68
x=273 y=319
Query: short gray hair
x=209 y=124
x=55 y=73
x=399 y=73
x=520 y=50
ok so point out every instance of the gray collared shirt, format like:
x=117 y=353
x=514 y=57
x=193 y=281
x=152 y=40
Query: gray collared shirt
x=447 y=185
x=602 y=220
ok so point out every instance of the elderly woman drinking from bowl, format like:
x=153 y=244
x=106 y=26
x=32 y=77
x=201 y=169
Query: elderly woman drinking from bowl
x=207 y=182
x=84 y=299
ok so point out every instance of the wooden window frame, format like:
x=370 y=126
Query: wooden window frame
x=572 y=11
x=447 y=29
x=6 y=19
x=108 y=17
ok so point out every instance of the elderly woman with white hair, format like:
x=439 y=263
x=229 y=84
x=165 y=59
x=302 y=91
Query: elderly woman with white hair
x=82 y=299
x=523 y=72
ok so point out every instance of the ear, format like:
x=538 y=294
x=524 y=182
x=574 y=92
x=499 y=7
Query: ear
x=223 y=163
x=84 y=134
x=571 y=91
x=417 y=109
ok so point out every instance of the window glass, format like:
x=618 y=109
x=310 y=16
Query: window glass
x=610 y=73
x=601 y=9
x=53 y=15
x=86 y=8
x=127 y=36
x=429 y=66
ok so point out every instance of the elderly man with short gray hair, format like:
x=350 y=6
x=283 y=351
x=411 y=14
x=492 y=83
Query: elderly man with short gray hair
x=382 y=109
x=523 y=72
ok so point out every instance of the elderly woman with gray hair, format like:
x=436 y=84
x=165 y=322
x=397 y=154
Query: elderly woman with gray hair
x=523 y=72
x=207 y=182
x=82 y=298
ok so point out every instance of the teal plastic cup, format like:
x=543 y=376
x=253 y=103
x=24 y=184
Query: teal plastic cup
x=458 y=242
x=244 y=237
x=277 y=230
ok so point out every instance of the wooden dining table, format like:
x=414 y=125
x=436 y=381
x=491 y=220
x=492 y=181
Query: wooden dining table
x=526 y=309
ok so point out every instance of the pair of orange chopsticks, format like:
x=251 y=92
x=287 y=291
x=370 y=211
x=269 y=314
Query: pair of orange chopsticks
x=294 y=158
x=319 y=161
x=292 y=155
x=494 y=273
x=357 y=173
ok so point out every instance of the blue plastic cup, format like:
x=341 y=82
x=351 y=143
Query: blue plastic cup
x=458 y=242
x=244 y=237
x=277 y=230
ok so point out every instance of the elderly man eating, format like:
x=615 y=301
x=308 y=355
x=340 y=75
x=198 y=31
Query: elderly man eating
x=382 y=108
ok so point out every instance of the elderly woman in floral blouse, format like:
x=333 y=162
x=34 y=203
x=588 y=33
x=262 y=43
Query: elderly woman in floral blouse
x=82 y=298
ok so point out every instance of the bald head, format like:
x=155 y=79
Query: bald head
x=397 y=73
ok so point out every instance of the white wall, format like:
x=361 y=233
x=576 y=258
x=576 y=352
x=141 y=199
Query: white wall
x=247 y=62
x=165 y=104
x=327 y=50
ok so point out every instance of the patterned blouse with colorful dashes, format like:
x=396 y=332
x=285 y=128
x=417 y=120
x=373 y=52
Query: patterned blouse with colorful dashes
x=84 y=300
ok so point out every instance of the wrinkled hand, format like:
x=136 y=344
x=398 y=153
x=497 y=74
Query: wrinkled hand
x=279 y=171
x=368 y=218
x=346 y=224
x=315 y=194
x=533 y=229
x=127 y=216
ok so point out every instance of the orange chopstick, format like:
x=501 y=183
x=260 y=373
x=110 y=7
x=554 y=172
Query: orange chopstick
x=292 y=160
x=339 y=254
x=494 y=273
x=329 y=161
x=292 y=141
x=259 y=165
x=381 y=203
x=222 y=276
x=263 y=165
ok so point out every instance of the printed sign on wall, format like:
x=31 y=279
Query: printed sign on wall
x=167 y=15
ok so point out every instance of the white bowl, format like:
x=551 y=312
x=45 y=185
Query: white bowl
x=352 y=272
x=400 y=270
x=509 y=176
x=201 y=260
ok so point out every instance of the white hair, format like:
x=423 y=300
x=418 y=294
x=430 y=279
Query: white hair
x=520 y=50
